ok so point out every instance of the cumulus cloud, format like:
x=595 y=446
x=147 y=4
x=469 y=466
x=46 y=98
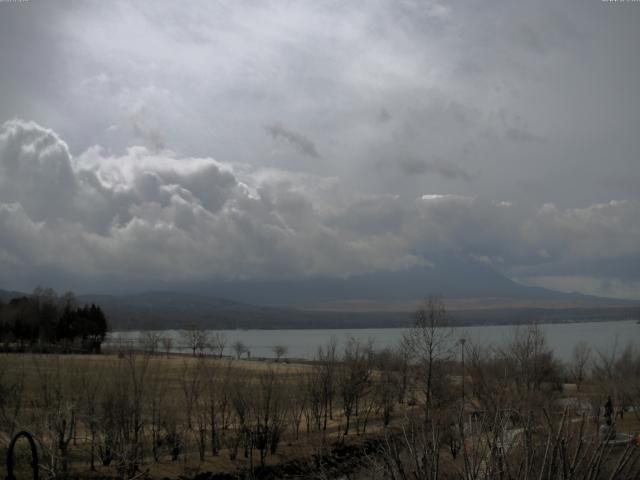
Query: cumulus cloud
x=146 y=213
x=35 y=164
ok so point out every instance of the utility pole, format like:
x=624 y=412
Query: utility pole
x=461 y=420
x=462 y=342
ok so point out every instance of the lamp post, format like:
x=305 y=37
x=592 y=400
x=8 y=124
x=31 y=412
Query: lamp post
x=461 y=421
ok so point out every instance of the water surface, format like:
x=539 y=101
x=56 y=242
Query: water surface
x=562 y=337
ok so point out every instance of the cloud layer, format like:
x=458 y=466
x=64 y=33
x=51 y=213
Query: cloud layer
x=157 y=215
x=266 y=139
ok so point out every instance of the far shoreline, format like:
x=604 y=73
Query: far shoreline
x=380 y=326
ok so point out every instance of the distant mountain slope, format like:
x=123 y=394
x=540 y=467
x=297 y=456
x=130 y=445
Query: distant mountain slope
x=7 y=295
x=450 y=278
x=474 y=293
x=181 y=302
x=167 y=309
x=175 y=310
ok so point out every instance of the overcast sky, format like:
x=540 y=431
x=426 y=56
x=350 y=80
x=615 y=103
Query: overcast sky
x=199 y=140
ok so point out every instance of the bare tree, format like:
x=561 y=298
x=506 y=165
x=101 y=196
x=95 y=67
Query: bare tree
x=12 y=391
x=298 y=402
x=279 y=351
x=558 y=448
x=533 y=370
x=314 y=393
x=241 y=400
x=214 y=394
x=616 y=375
x=192 y=383
x=239 y=348
x=430 y=342
x=268 y=413
x=326 y=371
x=628 y=369
x=57 y=414
x=156 y=407
x=90 y=386
x=149 y=342
x=219 y=343
x=579 y=362
x=122 y=415
x=354 y=377
x=387 y=382
x=167 y=344
x=195 y=339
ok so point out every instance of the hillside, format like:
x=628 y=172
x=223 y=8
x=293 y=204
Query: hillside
x=474 y=293
x=177 y=309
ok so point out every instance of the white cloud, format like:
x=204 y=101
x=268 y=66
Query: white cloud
x=35 y=170
x=448 y=196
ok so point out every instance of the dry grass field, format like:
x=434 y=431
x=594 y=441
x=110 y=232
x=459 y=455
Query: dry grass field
x=53 y=384
x=131 y=414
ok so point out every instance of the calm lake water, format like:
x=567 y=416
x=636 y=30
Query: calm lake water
x=603 y=336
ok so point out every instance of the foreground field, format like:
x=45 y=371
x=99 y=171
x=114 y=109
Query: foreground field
x=187 y=414
x=413 y=412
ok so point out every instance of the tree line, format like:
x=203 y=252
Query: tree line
x=45 y=321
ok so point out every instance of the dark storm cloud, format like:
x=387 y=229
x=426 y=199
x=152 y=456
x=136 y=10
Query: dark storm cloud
x=298 y=141
x=448 y=170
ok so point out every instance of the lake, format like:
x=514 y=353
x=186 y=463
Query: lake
x=562 y=337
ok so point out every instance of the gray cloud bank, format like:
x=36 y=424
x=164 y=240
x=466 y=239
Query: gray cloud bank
x=146 y=214
x=267 y=139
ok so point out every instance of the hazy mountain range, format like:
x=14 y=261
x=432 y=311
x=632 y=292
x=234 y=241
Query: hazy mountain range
x=474 y=293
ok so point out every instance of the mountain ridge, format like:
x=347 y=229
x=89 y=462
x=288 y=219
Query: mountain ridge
x=473 y=293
